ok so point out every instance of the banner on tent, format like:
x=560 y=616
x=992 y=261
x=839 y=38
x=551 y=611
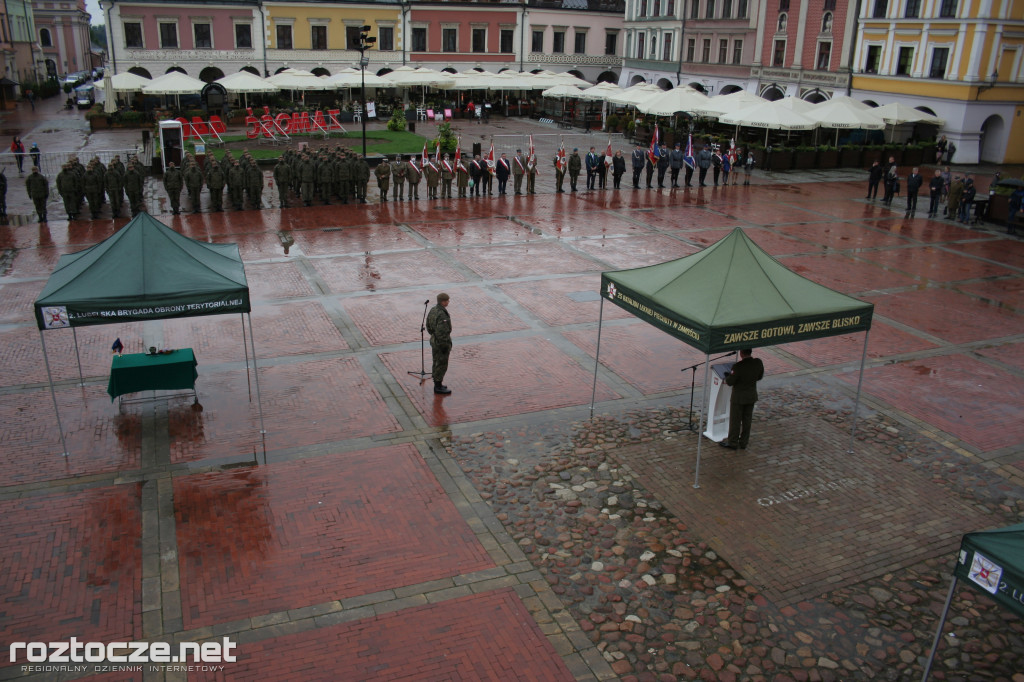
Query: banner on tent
x=725 y=338
x=60 y=317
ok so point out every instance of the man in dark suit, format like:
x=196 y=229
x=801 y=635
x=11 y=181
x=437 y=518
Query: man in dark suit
x=743 y=378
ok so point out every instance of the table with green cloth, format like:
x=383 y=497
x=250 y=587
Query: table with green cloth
x=143 y=372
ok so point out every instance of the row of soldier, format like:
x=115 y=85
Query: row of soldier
x=92 y=185
x=242 y=177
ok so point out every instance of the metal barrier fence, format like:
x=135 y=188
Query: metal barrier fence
x=50 y=163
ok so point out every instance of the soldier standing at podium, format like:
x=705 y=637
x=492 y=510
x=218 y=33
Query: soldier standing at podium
x=743 y=378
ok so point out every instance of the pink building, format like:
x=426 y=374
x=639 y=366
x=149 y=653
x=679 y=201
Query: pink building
x=63 y=29
x=804 y=48
x=442 y=35
x=205 y=41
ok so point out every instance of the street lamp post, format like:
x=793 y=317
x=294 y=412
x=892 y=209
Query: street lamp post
x=365 y=43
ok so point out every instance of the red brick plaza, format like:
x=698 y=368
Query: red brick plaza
x=348 y=544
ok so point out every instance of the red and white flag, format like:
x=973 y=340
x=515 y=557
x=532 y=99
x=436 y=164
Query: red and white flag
x=437 y=152
x=563 y=162
x=531 y=160
x=608 y=154
x=654 y=152
x=425 y=156
x=490 y=159
x=458 y=151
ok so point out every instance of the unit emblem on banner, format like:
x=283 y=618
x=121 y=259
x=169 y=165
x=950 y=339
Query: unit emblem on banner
x=56 y=317
x=986 y=573
x=611 y=290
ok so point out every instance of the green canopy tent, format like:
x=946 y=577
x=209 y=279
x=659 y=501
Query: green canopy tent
x=144 y=271
x=991 y=561
x=729 y=296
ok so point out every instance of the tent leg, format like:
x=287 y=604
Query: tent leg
x=597 y=356
x=938 y=631
x=53 y=395
x=256 y=371
x=860 y=381
x=81 y=381
x=248 y=380
x=700 y=420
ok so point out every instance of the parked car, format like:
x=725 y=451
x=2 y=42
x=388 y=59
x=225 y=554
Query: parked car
x=74 y=79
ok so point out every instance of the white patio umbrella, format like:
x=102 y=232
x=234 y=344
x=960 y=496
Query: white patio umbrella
x=351 y=78
x=800 y=106
x=734 y=101
x=109 y=96
x=600 y=93
x=635 y=94
x=564 y=78
x=845 y=112
x=770 y=116
x=407 y=76
x=671 y=102
x=243 y=83
x=897 y=113
x=296 y=79
x=174 y=83
x=562 y=91
x=127 y=82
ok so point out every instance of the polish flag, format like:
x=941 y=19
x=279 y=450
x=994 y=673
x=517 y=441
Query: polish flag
x=490 y=159
x=608 y=154
x=563 y=162
x=654 y=153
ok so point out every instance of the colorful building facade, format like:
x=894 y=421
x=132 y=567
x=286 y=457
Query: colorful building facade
x=62 y=27
x=585 y=39
x=958 y=59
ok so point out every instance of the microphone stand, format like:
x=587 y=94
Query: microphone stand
x=423 y=373
x=693 y=374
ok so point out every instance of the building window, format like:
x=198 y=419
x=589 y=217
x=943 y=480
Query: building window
x=505 y=40
x=695 y=9
x=913 y=9
x=479 y=37
x=939 y=57
x=779 y=53
x=558 y=44
x=741 y=9
x=727 y=9
x=783 y=20
x=666 y=48
x=654 y=47
x=581 y=42
x=706 y=51
x=284 y=37
x=783 y=5
x=905 y=61
x=385 y=38
x=610 y=40
x=874 y=58
x=824 y=56
x=168 y=35
x=203 y=37
x=826 y=23
x=737 y=52
x=132 y=34
x=723 y=51
x=419 y=39
x=691 y=46
x=449 y=40
x=670 y=8
x=830 y=6
x=640 y=44
x=947 y=9
x=352 y=37
x=643 y=8
x=243 y=36
x=709 y=12
x=46 y=41
x=318 y=37
x=881 y=9
x=537 y=39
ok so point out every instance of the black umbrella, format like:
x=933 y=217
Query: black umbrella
x=1010 y=182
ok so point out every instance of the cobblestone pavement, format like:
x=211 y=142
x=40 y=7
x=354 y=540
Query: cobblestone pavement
x=378 y=531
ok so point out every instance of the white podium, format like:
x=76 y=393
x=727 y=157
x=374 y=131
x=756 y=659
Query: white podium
x=718 y=403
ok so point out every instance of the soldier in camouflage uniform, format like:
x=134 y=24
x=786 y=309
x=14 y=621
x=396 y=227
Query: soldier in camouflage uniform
x=433 y=175
x=113 y=181
x=283 y=178
x=133 y=186
x=67 y=186
x=307 y=174
x=413 y=175
x=362 y=176
x=93 y=185
x=254 y=183
x=439 y=326
x=215 y=181
x=343 y=177
x=194 y=183
x=38 y=188
x=383 y=173
x=398 y=179
x=173 y=183
x=236 y=185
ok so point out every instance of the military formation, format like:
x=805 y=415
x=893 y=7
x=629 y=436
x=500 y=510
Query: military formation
x=89 y=186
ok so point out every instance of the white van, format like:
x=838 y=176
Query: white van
x=85 y=96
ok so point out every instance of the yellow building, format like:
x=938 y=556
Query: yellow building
x=318 y=36
x=960 y=60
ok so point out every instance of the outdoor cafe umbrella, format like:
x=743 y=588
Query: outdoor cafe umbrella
x=897 y=113
x=127 y=82
x=174 y=83
x=769 y=116
x=671 y=102
x=600 y=93
x=243 y=83
x=734 y=101
x=295 y=79
x=845 y=112
x=408 y=77
x=109 y=97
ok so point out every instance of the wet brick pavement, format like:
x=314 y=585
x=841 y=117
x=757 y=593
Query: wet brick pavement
x=378 y=531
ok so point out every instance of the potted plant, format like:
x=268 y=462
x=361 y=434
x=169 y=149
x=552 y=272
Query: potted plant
x=804 y=157
x=612 y=123
x=828 y=156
